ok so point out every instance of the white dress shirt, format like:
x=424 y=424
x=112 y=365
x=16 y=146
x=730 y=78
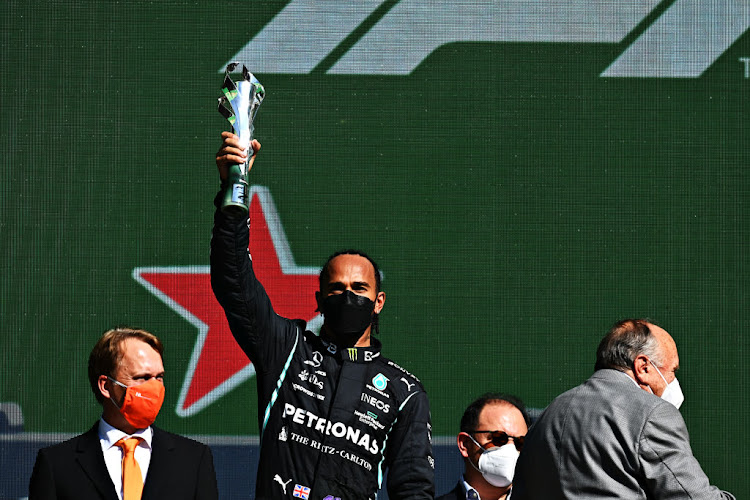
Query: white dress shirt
x=471 y=493
x=113 y=454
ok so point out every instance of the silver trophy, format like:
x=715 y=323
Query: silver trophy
x=239 y=104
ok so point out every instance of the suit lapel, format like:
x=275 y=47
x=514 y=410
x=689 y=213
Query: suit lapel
x=89 y=456
x=162 y=447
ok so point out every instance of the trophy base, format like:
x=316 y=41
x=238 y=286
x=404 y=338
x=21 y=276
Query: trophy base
x=236 y=201
x=235 y=210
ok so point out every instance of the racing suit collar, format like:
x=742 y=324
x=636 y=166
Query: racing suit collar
x=361 y=354
x=354 y=354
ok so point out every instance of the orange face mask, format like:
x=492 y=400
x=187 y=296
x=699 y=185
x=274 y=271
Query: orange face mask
x=142 y=402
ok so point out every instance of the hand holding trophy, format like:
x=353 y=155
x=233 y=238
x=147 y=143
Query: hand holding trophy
x=239 y=104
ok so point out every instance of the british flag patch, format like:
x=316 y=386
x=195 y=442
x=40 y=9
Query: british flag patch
x=301 y=491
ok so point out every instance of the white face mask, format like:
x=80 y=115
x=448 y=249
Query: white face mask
x=673 y=392
x=497 y=464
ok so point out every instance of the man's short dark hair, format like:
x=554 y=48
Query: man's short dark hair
x=323 y=277
x=626 y=340
x=470 y=419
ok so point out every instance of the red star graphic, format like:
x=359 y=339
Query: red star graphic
x=218 y=365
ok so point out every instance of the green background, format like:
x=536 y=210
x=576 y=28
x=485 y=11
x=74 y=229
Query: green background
x=517 y=203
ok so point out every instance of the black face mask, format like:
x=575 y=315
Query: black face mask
x=348 y=315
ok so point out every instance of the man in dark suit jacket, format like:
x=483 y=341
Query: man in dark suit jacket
x=125 y=373
x=619 y=434
x=491 y=434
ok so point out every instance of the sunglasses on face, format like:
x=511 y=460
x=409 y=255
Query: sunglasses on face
x=500 y=438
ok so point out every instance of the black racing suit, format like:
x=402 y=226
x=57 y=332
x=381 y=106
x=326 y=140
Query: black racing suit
x=331 y=419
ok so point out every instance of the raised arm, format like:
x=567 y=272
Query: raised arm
x=259 y=331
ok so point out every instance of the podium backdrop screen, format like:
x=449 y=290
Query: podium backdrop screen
x=525 y=173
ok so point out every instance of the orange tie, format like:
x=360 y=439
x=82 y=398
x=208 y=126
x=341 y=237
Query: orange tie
x=132 y=479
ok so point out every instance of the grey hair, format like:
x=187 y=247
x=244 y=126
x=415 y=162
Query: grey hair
x=626 y=340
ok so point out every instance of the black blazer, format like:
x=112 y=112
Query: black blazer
x=180 y=468
x=457 y=493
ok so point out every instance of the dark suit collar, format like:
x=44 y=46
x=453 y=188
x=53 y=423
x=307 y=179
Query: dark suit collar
x=91 y=459
x=464 y=488
x=162 y=447
x=162 y=439
x=457 y=493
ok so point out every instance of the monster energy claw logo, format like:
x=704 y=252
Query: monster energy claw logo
x=352 y=353
x=305 y=32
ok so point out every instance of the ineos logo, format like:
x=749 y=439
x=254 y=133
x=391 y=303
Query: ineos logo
x=373 y=401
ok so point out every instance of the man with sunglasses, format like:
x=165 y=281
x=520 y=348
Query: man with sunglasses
x=491 y=436
x=620 y=433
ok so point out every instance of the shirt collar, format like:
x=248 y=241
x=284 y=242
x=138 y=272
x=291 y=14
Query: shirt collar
x=110 y=435
x=469 y=490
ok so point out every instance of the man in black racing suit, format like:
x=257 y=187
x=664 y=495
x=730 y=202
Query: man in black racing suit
x=333 y=413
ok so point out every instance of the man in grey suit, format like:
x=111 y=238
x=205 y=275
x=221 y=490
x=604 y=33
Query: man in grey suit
x=619 y=434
